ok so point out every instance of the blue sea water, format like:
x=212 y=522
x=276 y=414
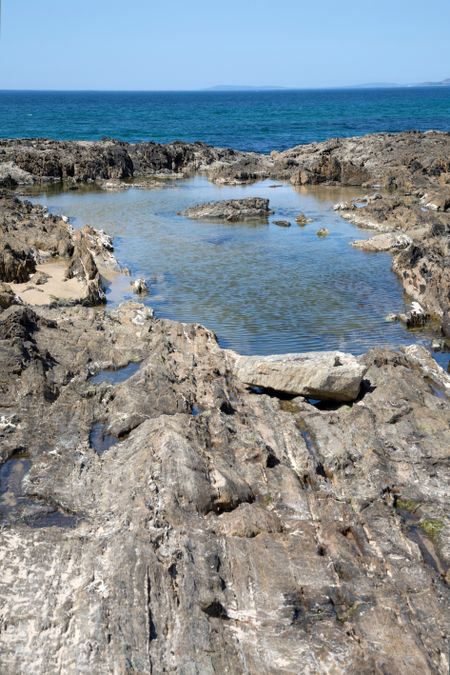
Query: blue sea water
x=260 y=121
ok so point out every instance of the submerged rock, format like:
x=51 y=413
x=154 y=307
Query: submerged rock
x=323 y=232
x=231 y=210
x=282 y=223
x=330 y=376
x=302 y=220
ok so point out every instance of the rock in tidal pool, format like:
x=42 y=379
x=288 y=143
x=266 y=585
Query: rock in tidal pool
x=282 y=223
x=328 y=376
x=323 y=232
x=231 y=210
x=302 y=220
x=140 y=287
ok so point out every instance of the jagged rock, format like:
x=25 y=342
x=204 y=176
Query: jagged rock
x=327 y=376
x=231 y=210
x=245 y=503
x=7 y=297
x=344 y=206
x=15 y=264
x=140 y=286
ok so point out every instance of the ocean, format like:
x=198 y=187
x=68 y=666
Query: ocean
x=260 y=121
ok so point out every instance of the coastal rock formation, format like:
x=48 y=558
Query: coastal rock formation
x=402 y=161
x=328 y=376
x=419 y=240
x=231 y=210
x=177 y=521
x=389 y=241
x=31 y=239
x=180 y=521
x=25 y=161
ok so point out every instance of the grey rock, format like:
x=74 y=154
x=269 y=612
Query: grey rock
x=327 y=376
x=231 y=210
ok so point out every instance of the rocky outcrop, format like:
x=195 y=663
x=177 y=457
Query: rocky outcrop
x=389 y=241
x=216 y=527
x=180 y=521
x=231 y=210
x=30 y=235
x=405 y=161
x=418 y=238
x=26 y=161
x=328 y=376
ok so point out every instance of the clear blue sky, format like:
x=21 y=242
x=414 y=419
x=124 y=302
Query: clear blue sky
x=191 y=44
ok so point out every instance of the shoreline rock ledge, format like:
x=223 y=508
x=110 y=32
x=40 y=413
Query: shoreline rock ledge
x=327 y=376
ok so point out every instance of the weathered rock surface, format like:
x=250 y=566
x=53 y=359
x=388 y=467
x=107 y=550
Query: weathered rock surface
x=231 y=210
x=394 y=161
x=329 y=376
x=25 y=161
x=223 y=531
x=419 y=240
x=386 y=241
x=177 y=522
x=30 y=235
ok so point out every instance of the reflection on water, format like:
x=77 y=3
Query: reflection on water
x=262 y=288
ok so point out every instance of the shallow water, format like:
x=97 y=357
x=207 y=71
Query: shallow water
x=115 y=375
x=263 y=289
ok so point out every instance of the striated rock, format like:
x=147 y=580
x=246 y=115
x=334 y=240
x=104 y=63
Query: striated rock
x=331 y=376
x=244 y=534
x=232 y=210
x=282 y=223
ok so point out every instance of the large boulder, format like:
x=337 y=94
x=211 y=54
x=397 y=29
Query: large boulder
x=332 y=376
x=231 y=210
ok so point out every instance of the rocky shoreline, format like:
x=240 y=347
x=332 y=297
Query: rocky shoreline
x=169 y=506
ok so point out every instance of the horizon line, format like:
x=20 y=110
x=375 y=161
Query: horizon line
x=233 y=89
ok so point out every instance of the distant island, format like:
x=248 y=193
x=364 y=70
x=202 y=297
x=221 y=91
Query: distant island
x=381 y=85
x=369 y=85
x=234 y=87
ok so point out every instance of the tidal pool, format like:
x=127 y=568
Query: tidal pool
x=263 y=289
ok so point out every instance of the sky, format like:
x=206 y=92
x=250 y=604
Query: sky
x=195 y=44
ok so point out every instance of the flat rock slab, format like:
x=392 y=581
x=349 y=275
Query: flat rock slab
x=329 y=376
x=231 y=210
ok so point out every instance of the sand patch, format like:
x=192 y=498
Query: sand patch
x=57 y=287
